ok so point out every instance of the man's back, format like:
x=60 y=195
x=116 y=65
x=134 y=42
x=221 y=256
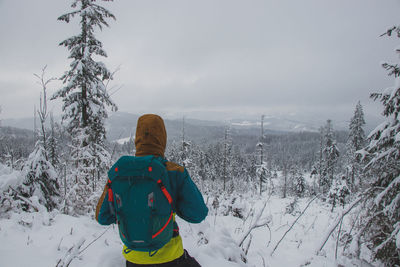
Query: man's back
x=187 y=201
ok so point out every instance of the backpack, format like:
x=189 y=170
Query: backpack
x=138 y=194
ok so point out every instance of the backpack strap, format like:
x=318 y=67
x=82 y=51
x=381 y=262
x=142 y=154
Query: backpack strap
x=165 y=191
x=169 y=198
x=111 y=199
x=110 y=193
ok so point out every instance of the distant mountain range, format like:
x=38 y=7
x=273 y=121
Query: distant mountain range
x=122 y=125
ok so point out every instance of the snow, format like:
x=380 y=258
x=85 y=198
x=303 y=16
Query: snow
x=124 y=140
x=391 y=186
x=46 y=238
x=9 y=177
x=397 y=138
x=50 y=238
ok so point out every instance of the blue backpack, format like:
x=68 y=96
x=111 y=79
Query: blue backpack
x=138 y=194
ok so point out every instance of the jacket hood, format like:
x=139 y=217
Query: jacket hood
x=151 y=136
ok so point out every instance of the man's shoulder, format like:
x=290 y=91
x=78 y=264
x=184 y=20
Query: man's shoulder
x=172 y=166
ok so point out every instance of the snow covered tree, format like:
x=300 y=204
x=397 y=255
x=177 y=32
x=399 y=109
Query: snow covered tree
x=85 y=95
x=381 y=221
x=40 y=176
x=317 y=166
x=355 y=142
x=227 y=158
x=53 y=147
x=77 y=200
x=185 y=145
x=264 y=178
x=357 y=134
x=299 y=183
x=286 y=163
x=330 y=154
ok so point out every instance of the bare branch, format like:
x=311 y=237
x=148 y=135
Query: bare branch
x=95 y=239
x=338 y=236
x=336 y=223
x=276 y=246
x=72 y=253
x=255 y=225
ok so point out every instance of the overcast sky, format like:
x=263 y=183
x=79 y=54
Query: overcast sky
x=237 y=57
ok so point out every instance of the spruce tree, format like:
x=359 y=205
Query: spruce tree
x=299 y=183
x=330 y=154
x=85 y=95
x=355 y=142
x=357 y=122
x=380 y=226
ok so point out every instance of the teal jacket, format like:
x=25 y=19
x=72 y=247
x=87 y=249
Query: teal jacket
x=188 y=203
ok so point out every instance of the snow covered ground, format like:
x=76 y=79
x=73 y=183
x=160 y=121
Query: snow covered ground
x=44 y=239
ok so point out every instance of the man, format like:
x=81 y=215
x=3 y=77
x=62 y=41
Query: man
x=188 y=203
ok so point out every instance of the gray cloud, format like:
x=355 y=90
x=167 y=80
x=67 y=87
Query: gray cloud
x=227 y=55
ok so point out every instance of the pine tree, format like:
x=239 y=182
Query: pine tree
x=330 y=154
x=85 y=95
x=355 y=142
x=299 y=183
x=381 y=220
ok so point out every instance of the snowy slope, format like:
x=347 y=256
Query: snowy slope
x=45 y=239
x=44 y=242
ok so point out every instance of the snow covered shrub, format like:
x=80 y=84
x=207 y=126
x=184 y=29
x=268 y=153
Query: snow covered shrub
x=218 y=242
x=339 y=192
x=237 y=209
x=10 y=198
x=232 y=205
x=215 y=203
x=40 y=180
x=293 y=207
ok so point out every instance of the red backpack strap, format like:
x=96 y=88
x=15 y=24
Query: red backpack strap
x=165 y=191
x=169 y=198
x=110 y=193
x=111 y=199
x=162 y=228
